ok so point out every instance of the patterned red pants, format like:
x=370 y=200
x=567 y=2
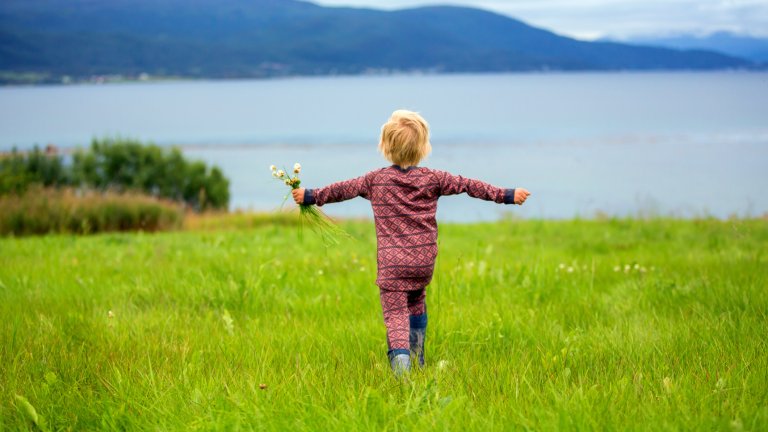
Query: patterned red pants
x=400 y=308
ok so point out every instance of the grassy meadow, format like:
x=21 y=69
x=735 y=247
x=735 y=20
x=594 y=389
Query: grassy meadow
x=533 y=325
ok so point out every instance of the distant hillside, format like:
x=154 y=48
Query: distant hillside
x=48 y=39
x=755 y=49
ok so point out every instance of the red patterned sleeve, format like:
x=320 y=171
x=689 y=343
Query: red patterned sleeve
x=341 y=191
x=455 y=184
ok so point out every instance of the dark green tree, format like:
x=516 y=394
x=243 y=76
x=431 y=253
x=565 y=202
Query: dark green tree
x=19 y=170
x=120 y=165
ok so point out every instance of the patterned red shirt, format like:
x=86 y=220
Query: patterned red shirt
x=404 y=203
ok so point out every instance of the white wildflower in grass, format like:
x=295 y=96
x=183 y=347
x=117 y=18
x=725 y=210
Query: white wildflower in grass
x=561 y=266
x=110 y=319
x=229 y=323
x=442 y=364
x=570 y=269
x=667 y=384
x=632 y=268
x=316 y=219
x=720 y=384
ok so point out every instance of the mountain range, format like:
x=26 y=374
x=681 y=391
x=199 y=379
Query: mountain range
x=51 y=40
x=751 y=48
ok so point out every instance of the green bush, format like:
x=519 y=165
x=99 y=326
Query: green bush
x=20 y=170
x=120 y=165
x=42 y=211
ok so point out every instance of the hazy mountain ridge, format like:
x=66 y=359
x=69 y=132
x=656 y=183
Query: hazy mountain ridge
x=239 y=38
x=748 y=47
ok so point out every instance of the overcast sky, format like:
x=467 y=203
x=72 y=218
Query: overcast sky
x=590 y=19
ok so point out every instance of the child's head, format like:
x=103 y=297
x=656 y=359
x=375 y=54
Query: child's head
x=405 y=138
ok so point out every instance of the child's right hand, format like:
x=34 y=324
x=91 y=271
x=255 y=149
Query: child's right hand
x=298 y=195
x=521 y=195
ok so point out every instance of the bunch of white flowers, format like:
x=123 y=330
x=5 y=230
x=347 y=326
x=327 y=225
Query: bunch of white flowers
x=293 y=182
x=318 y=221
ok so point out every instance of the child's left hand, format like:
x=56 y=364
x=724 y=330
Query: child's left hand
x=521 y=195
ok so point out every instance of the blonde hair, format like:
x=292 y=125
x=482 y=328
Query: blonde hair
x=405 y=138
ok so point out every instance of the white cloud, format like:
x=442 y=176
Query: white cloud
x=594 y=18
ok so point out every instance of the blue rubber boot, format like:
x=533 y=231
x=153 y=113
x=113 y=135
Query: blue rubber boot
x=400 y=362
x=418 y=333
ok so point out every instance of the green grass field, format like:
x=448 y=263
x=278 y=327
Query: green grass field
x=608 y=325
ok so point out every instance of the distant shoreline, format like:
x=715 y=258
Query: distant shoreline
x=112 y=79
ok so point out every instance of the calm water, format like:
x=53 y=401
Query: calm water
x=681 y=144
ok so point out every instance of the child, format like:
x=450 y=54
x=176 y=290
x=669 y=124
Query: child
x=404 y=200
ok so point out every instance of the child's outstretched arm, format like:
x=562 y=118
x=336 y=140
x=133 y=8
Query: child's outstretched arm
x=335 y=192
x=454 y=184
